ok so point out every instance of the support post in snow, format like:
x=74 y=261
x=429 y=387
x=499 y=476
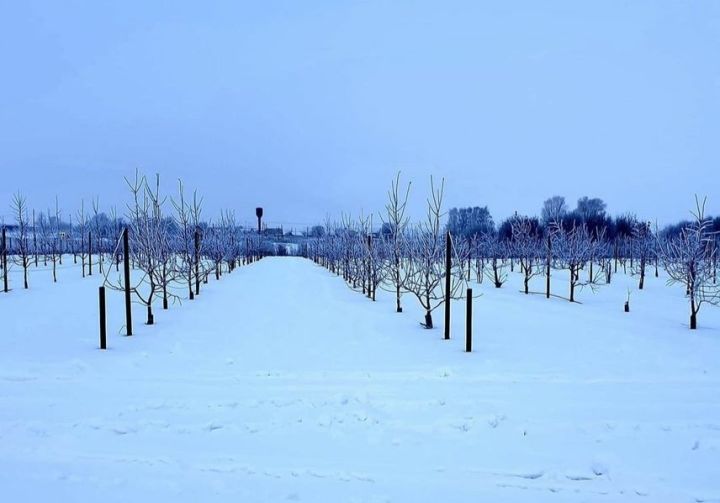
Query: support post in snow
x=4 y=260
x=197 y=261
x=468 y=322
x=126 y=269
x=371 y=286
x=90 y=252
x=547 y=267
x=103 y=322
x=448 y=265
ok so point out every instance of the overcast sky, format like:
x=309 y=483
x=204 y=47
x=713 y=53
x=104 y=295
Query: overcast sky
x=309 y=108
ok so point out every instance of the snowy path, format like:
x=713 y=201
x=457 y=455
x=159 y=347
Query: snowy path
x=279 y=383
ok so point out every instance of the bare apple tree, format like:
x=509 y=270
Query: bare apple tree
x=82 y=225
x=426 y=253
x=574 y=248
x=374 y=252
x=149 y=242
x=526 y=246
x=393 y=232
x=642 y=248
x=54 y=242
x=23 y=252
x=187 y=218
x=496 y=251
x=688 y=259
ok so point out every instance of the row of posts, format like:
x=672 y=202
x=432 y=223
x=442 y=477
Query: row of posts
x=128 y=304
x=101 y=291
x=126 y=284
x=468 y=298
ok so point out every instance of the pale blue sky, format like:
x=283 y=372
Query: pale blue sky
x=309 y=107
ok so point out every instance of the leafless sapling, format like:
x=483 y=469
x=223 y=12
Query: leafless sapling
x=688 y=259
x=394 y=233
x=23 y=252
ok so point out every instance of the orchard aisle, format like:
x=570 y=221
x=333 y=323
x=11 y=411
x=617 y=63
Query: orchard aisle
x=279 y=383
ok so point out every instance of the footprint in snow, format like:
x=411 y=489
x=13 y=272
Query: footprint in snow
x=122 y=430
x=464 y=427
x=495 y=421
x=362 y=477
x=17 y=378
x=599 y=468
x=577 y=477
x=528 y=475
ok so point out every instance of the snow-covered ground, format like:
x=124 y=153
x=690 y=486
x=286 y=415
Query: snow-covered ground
x=279 y=383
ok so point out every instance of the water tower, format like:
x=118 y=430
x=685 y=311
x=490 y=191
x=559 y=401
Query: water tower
x=259 y=214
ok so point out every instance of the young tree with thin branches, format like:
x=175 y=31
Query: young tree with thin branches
x=149 y=242
x=54 y=244
x=688 y=259
x=573 y=248
x=497 y=251
x=526 y=246
x=82 y=230
x=187 y=218
x=97 y=234
x=393 y=233
x=23 y=252
x=642 y=248
x=426 y=254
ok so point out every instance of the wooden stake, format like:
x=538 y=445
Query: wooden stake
x=448 y=265
x=468 y=321
x=126 y=269
x=103 y=322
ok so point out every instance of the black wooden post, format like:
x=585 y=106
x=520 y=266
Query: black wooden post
x=4 y=260
x=468 y=321
x=197 y=261
x=448 y=265
x=126 y=269
x=371 y=291
x=90 y=252
x=547 y=272
x=103 y=323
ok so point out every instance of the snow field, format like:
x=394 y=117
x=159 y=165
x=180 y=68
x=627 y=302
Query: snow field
x=278 y=383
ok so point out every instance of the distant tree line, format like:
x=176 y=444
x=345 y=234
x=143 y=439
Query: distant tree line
x=476 y=221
